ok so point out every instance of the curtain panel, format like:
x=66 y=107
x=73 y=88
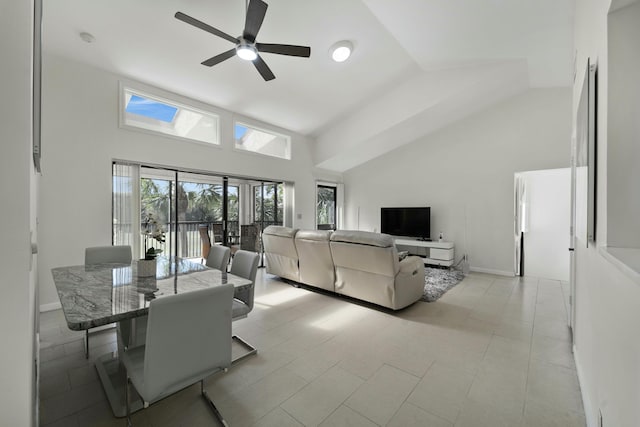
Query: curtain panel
x=126 y=205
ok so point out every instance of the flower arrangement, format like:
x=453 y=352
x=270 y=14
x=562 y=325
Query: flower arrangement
x=152 y=231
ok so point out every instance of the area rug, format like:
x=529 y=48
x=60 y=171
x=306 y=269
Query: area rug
x=437 y=281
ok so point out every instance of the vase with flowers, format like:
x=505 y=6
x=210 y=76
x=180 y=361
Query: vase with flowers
x=151 y=231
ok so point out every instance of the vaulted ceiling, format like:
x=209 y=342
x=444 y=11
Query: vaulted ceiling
x=417 y=65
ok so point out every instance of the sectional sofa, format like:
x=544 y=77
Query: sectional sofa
x=358 y=264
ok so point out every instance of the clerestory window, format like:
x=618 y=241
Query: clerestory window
x=248 y=138
x=152 y=113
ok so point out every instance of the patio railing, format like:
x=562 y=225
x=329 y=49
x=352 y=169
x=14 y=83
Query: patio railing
x=188 y=236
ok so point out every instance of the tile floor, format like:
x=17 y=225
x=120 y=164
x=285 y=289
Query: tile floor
x=494 y=351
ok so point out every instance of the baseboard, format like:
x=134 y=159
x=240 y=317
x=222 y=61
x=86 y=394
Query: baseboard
x=492 y=271
x=586 y=402
x=50 y=307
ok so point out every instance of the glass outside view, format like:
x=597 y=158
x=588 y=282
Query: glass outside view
x=188 y=208
x=198 y=204
x=177 y=120
x=326 y=208
x=273 y=204
x=151 y=108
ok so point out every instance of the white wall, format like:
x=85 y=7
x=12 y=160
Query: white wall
x=607 y=350
x=81 y=137
x=16 y=188
x=468 y=167
x=546 y=242
x=420 y=105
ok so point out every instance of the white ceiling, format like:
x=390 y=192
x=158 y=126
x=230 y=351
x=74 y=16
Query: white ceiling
x=442 y=44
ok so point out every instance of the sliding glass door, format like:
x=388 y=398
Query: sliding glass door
x=193 y=209
x=268 y=204
x=157 y=201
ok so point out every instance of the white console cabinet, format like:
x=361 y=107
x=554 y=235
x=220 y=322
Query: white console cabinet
x=433 y=253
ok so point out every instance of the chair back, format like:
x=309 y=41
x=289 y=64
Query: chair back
x=366 y=265
x=245 y=264
x=250 y=237
x=217 y=232
x=218 y=257
x=206 y=240
x=188 y=338
x=107 y=255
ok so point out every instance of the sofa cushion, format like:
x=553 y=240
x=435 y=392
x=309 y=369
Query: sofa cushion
x=315 y=261
x=317 y=235
x=278 y=230
x=280 y=251
x=363 y=238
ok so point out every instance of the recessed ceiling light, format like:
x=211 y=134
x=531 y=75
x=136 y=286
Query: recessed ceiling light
x=86 y=37
x=341 y=50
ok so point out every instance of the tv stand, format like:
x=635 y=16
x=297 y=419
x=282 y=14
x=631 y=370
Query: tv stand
x=435 y=253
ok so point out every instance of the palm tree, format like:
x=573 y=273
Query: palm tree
x=209 y=201
x=155 y=198
x=272 y=201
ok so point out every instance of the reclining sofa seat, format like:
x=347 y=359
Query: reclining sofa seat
x=315 y=261
x=367 y=268
x=280 y=252
x=358 y=264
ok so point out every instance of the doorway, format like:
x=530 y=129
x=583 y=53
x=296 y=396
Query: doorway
x=326 y=207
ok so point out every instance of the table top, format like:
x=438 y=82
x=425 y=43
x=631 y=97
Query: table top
x=95 y=295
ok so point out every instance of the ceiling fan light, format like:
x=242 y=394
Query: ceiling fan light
x=247 y=52
x=341 y=51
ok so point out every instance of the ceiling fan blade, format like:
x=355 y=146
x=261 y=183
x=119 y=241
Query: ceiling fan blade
x=206 y=27
x=263 y=69
x=284 y=49
x=219 y=58
x=255 y=15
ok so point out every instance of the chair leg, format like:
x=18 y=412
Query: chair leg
x=252 y=350
x=215 y=410
x=86 y=343
x=126 y=401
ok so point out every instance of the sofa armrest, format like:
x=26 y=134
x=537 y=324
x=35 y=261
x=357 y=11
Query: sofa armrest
x=411 y=265
x=409 y=283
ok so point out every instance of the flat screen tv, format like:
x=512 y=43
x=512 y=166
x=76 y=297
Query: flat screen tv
x=406 y=222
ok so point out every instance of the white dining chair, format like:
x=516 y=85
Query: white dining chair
x=245 y=265
x=218 y=257
x=187 y=340
x=119 y=254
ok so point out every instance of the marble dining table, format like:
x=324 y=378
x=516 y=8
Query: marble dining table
x=101 y=294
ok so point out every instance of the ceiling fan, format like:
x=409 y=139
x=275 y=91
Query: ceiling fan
x=246 y=46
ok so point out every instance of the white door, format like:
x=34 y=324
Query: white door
x=572 y=242
x=547 y=213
